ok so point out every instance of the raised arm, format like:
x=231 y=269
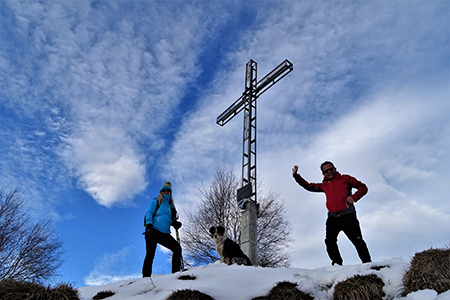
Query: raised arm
x=294 y=170
x=312 y=187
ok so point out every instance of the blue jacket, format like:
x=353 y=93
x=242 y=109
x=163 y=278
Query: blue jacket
x=162 y=219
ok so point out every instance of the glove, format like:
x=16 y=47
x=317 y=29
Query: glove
x=174 y=214
x=149 y=230
x=176 y=224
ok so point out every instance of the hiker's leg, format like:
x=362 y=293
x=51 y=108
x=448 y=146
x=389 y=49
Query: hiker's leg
x=350 y=226
x=150 y=247
x=332 y=231
x=170 y=243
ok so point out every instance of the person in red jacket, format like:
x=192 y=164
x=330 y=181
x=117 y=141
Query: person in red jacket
x=341 y=209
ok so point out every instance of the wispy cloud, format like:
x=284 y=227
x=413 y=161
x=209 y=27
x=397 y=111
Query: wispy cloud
x=105 y=269
x=112 y=84
x=339 y=63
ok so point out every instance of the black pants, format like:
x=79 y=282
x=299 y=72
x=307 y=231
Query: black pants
x=166 y=240
x=350 y=225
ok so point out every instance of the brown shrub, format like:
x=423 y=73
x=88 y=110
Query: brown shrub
x=17 y=290
x=103 y=295
x=189 y=295
x=429 y=269
x=378 y=268
x=359 y=287
x=187 y=277
x=285 y=290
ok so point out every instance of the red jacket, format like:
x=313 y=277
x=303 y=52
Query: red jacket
x=336 y=190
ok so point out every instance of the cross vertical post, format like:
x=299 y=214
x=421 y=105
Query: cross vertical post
x=248 y=203
x=246 y=195
x=249 y=135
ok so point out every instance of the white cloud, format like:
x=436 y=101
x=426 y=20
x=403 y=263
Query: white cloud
x=113 y=86
x=104 y=270
x=108 y=169
x=114 y=182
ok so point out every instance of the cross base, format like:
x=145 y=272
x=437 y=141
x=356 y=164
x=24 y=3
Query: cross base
x=249 y=244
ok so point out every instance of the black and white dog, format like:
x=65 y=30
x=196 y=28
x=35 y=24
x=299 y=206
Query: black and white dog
x=228 y=250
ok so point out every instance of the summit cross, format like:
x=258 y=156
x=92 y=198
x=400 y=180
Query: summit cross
x=246 y=195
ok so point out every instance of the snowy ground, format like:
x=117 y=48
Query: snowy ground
x=224 y=282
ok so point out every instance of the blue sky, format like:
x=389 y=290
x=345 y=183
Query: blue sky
x=103 y=101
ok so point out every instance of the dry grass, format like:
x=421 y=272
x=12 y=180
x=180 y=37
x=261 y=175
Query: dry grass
x=429 y=269
x=189 y=295
x=23 y=290
x=367 y=287
x=378 y=268
x=103 y=295
x=187 y=277
x=285 y=290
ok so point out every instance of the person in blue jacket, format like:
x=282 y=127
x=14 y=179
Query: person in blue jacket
x=161 y=214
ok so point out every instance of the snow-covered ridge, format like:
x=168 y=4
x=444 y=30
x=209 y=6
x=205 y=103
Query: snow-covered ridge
x=224 y=282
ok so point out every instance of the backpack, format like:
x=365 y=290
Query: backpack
x=145 y=216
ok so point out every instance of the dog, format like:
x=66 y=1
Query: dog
x=228 y=250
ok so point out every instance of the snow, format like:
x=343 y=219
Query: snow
x=224 y=282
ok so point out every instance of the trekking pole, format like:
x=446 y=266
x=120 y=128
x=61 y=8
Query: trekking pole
x=178 y=240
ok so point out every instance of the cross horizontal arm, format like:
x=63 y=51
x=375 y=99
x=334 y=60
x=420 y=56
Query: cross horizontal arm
x=261 y=86
x=273 y=77
x=231 y=111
